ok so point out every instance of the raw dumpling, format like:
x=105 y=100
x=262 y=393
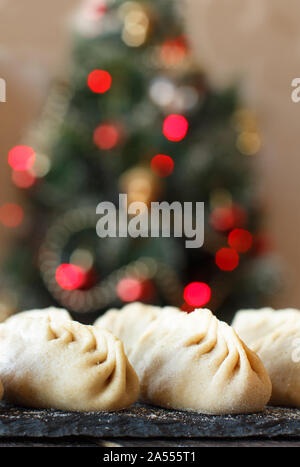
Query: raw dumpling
x=275 y=336
x=55 y=362
x=190 y=361
x=135 y=318
x=41 y=312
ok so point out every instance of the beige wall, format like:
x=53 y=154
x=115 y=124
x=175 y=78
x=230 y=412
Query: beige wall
x=255 y=40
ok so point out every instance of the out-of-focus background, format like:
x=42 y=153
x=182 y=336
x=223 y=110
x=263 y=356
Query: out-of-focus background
x=254 y=46
x=35 y=48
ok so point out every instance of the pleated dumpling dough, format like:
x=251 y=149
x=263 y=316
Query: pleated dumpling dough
x=190 y=361
x=275 y=336
x=128 y=326
x=41 y=312
x=55 y=362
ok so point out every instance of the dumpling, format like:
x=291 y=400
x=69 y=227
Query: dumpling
x=128 y=327
x=136 y=317
x=190 y=361
x=52 y=362
x=275 y=336
x=41 y=312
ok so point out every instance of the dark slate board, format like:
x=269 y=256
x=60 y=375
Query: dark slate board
x=142 y=421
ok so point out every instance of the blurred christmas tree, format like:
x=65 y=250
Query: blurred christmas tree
x=137 y=117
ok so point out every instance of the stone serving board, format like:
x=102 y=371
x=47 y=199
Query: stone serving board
x=143 y=421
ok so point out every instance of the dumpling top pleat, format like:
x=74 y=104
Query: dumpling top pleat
x=54 y=362
x=190 y=361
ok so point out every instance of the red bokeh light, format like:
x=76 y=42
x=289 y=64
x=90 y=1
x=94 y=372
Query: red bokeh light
x=11 y=215
x=240 y=240
x=106 y=136
x=227 y=259
x=173 y=51
x=69 y=276
x=100 y=9
x=21 y=157
x=225 y=218
x=175 y=127
x=99 y=81
x=22 y=179
x=197 y=294
x=129 y=289
x=162 y=165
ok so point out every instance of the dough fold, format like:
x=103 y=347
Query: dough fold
x=53 y=362
x=189 y=361
x=275 y=336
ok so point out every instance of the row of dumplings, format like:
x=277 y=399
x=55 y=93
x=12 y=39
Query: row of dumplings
x=162 y=356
